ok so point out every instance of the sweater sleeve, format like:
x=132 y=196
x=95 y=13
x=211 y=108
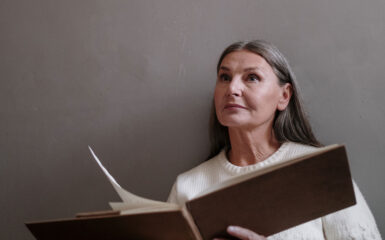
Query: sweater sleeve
x=355 y=222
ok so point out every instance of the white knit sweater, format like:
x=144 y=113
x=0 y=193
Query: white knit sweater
x=356 y=222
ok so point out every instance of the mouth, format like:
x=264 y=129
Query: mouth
x=233 y=106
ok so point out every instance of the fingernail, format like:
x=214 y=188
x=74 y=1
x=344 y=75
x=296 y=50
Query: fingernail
x=232 y=228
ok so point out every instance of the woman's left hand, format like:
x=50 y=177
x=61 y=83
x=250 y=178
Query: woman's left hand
x=242 y=233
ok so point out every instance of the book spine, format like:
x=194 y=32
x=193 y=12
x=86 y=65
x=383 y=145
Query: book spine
x=191 y=223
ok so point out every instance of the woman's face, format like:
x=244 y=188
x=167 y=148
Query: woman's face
x=247 y=92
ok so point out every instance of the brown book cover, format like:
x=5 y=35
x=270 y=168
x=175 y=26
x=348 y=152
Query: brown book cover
x=309 y=188
x=170 y=225
x=279 y=197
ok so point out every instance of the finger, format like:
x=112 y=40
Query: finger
x=243 y=233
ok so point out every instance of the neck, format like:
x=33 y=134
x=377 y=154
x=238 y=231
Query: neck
x=251 y=146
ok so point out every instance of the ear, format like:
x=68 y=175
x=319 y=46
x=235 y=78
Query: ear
x=287 y=91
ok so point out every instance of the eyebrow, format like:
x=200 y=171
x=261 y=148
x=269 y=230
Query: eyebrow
x=245 y=70
x=252 y=68
x=224 y=68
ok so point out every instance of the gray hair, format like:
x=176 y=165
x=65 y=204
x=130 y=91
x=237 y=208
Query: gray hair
x=290 y=124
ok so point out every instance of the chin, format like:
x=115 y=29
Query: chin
x=235 y=123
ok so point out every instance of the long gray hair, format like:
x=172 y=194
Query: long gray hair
x=290 y=124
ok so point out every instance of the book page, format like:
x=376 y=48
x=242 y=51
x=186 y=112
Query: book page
x=130 y=201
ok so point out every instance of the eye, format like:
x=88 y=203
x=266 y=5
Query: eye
x=224 y=77
x=253 y=78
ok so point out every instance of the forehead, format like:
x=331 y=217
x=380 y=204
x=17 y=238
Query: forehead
x=244 y=59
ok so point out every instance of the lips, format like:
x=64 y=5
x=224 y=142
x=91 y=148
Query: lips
x=232 y=105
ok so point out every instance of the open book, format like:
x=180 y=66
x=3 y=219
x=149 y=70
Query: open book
x=276 y=198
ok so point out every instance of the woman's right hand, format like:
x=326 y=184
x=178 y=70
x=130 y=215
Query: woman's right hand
x=242 y=233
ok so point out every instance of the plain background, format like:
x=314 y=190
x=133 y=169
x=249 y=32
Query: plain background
x=134 y=79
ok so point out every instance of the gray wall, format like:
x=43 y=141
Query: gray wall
x=134 y=79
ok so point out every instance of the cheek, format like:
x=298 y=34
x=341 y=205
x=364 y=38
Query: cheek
x=262 y=100
x=253 y=98
x=217 y=97
x=219 y=103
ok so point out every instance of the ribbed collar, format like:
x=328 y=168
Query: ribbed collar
x=234 y=169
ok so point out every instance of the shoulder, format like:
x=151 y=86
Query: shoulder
x=197 y=179
x=294 y=149
x=204 y=172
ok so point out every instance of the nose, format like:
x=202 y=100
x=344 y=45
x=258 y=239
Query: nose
x=235 y=87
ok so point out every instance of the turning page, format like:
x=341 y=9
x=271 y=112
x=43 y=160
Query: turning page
x=130 y=201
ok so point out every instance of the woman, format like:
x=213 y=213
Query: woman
x=258 y=119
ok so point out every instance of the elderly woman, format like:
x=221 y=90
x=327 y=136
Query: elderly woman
x=257 y=120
